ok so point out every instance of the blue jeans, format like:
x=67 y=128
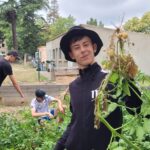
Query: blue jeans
x=52 y=111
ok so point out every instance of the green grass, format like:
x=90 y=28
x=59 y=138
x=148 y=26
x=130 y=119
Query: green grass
x=25 y=74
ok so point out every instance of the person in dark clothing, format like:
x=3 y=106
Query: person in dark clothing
x=81 y=45
x=6 y=70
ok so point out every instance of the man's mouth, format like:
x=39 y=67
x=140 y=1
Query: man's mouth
x=84 y=57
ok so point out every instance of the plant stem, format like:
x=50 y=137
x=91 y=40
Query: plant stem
x=115 y=133
x=110 y=142
x=134 y=90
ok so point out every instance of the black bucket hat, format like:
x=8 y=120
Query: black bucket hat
x=78 y=31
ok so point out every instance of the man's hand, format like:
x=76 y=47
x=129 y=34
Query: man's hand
x=22 y=95
x=22 y=101
x=50 y=115
x=16 y=85
x=61 y=109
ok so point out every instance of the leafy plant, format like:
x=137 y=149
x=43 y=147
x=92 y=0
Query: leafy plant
x=22 y=132
x=122 y=77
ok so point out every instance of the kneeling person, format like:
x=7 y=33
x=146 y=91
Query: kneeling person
x=40 y=106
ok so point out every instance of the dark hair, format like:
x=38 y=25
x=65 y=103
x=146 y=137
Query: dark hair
x=40 y=93
x=78 y=38
x=14 y=53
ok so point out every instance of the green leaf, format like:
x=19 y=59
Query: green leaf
x=131 y=131
x=111 y=107
x=146 y=125
x=114 y=77
x=118 y=93
x=125 y=87
x=119 y=148
x=145 y=109
x=114 y=145
x=140 y=133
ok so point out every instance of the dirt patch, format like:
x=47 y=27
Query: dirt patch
x=27 y=75
x=64 y=79
x=10 y=109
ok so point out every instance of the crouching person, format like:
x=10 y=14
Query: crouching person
x=40 y=106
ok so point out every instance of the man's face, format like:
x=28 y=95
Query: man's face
x=12 y=58
x=83 y=52
x=40 y=99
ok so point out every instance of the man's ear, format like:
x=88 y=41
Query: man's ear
x=94 y=47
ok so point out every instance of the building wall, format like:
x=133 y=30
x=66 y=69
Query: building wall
x=139 y=48
x=43 y=53
x=55 y=54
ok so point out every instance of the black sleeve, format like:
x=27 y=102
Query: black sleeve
x=133 y=101
x=61 y=142
x=7 y=69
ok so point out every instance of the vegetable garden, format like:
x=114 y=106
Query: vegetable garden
x=22 y=132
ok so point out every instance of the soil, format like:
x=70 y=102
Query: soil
x=64 y=79
x=10 y=109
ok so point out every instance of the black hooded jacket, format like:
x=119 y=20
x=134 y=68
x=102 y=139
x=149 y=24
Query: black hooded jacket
x=80 y=133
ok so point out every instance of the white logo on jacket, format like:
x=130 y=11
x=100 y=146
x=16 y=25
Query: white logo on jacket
x=94 y=94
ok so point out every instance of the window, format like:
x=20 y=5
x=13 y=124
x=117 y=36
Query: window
x=54 y=55
x=56 y=52
x=59 y=53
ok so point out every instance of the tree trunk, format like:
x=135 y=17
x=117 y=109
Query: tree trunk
x=11 y=18
x=14 y=35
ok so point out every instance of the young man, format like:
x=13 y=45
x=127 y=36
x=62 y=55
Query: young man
x=6 y=70
x=40 y=106
x=81 y=45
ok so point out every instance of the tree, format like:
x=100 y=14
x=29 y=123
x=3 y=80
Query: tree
x=30 y=27
x=53 y=12
x=8 y=13
x=61 y=25
x=33 y=30
x=44 y=32
x=139 y=25
x=22 y=14
x=101 y=24
x=1 y=37
x=145 y=20
x=93 y=21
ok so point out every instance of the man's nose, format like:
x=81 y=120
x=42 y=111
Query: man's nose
x=82 y=49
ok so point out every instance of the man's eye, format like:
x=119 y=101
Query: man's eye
x=76 y=47
x=86 y=45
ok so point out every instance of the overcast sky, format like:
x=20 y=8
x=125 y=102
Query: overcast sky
x=110 y=12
